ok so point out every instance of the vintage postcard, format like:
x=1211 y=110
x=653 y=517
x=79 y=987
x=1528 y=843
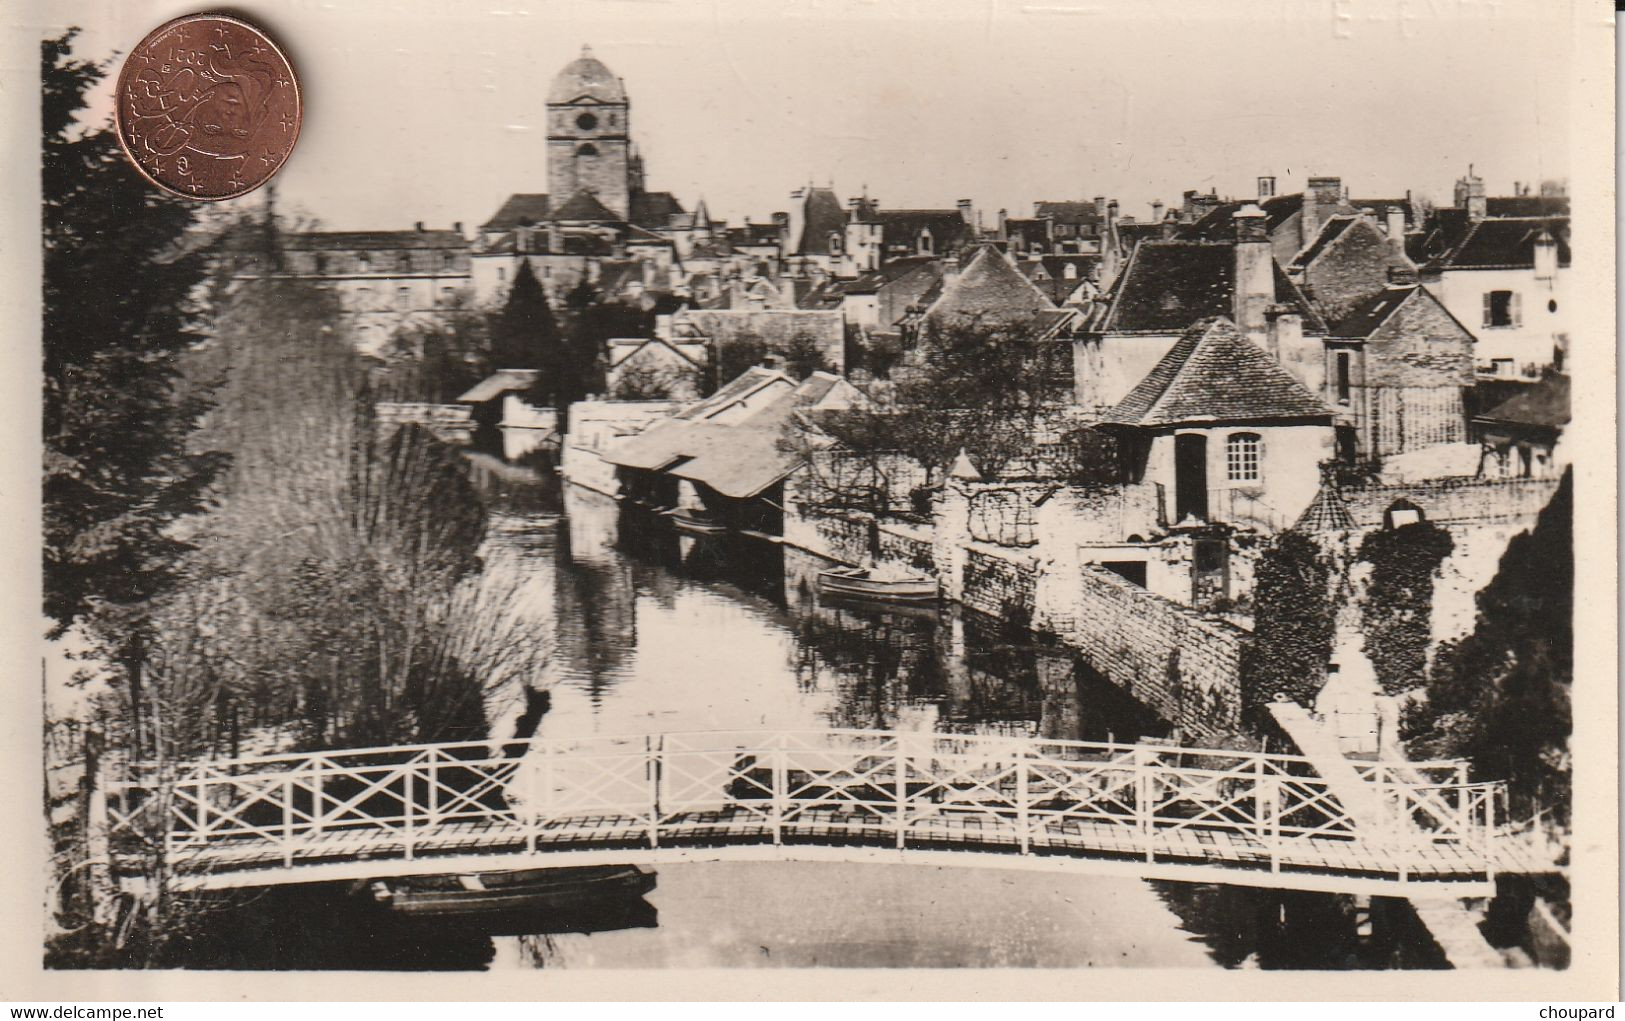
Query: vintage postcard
x=852 y=499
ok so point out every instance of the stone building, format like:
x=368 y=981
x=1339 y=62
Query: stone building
x=1225 y=430
x=1499 y=265
x=386 y=280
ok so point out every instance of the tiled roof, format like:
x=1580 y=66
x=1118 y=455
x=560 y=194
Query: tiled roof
x=654 y=209
x=520 y=210
x=1330 y=231
x=1364 y=319
x=1326 y=513
x=823 y=217
x=1214 y=374
x=370 y=240
x=584 y=207
x=990 y=289
x=1453 y=241
x=1075 y=213
x=1508 y=243
x=900 y=228
x=498 y=383
x=1168 y=285
x=1217 y=224
x=1544 y=405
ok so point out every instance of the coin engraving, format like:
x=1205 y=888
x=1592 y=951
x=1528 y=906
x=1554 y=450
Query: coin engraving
x=208 y=107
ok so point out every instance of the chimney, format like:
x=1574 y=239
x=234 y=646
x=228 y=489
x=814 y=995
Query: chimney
x=1285 y=334
x=1004 y=223
x=1254 y=282
x=950 y=269
x=1111 y=212
x=1402 y=276
x=1545 y=256
x=1266 y=188
x=420 y=226
x=1156 y=211
x=457 y=226
x=1100 y=208
x=1396 y=223
x=555 y=244
x=967 y=212
x=1320 y=199
x=1470 y=195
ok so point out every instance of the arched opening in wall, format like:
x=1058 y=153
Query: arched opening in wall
x=586 y=149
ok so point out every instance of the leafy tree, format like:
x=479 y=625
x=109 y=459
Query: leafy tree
x=437 y=360
x=1295 y=620
x=525 y=335
x=592 y=327
x=1398 y=610
x=1502 y=696
x=120 y=283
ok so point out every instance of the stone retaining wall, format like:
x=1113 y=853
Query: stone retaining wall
x=1185 y=666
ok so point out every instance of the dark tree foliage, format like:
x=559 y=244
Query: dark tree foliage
x=1398 y=612
x=1501 y=697
x=525 y=335
x=592 y=327
x=981 y=387
x=1295 y=619
x=119 y=309
x=799 y=355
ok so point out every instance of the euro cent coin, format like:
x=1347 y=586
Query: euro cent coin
x=208 y=107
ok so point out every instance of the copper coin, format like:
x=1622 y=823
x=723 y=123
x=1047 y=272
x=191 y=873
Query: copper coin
x=207 y=107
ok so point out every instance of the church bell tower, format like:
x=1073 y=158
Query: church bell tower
x=588 y=135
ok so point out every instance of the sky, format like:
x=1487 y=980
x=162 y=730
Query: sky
x=432 y=110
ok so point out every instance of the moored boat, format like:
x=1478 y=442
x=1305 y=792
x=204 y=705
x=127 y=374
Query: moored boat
x=687 y=521
x=861 y=583
x=525 y=889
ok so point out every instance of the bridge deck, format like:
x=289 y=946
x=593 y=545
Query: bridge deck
x=1212 y=815
x=249 y=861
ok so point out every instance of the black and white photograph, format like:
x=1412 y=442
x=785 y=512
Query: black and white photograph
x=814 y=492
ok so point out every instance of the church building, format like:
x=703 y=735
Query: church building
x=595 y=208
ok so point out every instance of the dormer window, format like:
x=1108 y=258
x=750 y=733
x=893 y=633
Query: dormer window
x=1070 y=272
x=366 y=263
x=835 y=244
x=403 y=261
x=925 y=242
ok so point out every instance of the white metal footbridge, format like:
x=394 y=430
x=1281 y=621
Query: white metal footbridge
x=1152 y=811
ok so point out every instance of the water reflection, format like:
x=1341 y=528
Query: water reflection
x=730 y=632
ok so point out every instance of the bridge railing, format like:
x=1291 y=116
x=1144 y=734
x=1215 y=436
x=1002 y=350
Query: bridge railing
x=919 y=790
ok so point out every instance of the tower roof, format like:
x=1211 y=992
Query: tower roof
x=586 y=77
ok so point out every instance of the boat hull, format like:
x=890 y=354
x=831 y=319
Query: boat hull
x=496 y=892
x=856 y=586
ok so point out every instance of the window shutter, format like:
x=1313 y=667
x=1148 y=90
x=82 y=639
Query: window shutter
x=1515 y=314
x=1489 y=309
x=1259 y=446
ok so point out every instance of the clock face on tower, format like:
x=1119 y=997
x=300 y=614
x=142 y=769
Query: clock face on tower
x=586 y=122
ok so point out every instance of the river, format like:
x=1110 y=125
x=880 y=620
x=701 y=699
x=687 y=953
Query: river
x=655 y=632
